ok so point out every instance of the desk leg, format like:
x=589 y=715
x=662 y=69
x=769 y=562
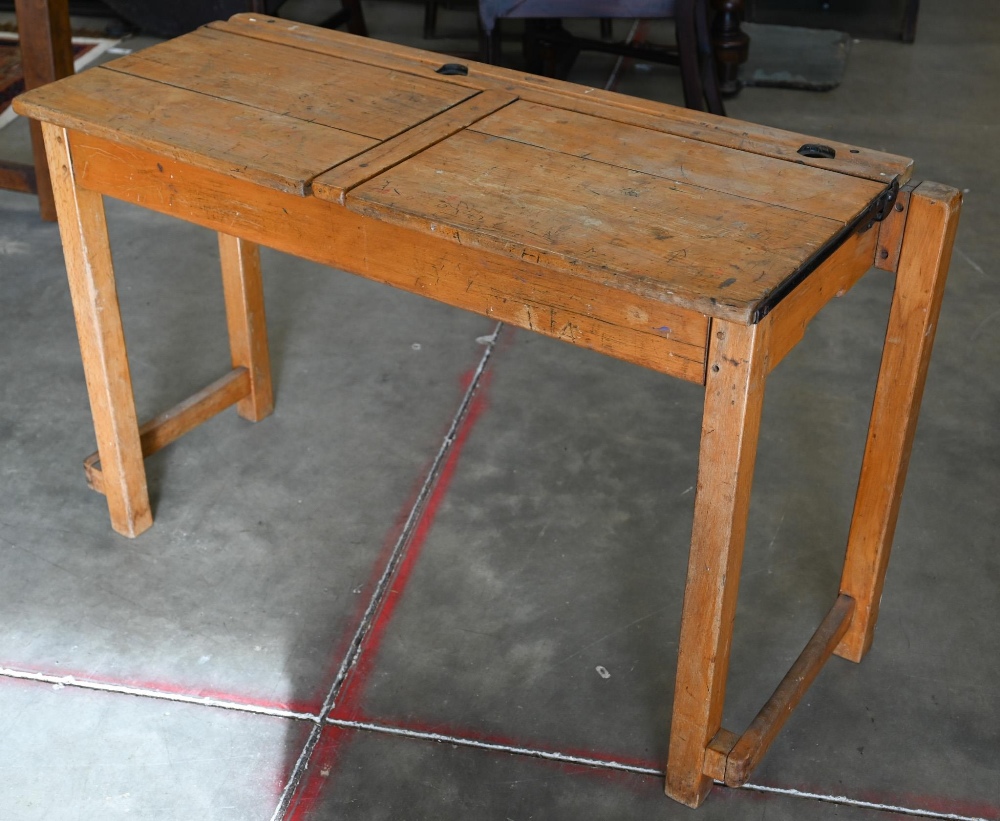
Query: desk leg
x=916 y=302
x=733 y=398
x=102 y=340
x=244 y=292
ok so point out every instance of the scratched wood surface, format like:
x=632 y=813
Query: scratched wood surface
x=650 y=333
x=362 y=99
x=758 y=139
x=269 y=149
x=687 y=162
x=705 y=250
x=708 y=215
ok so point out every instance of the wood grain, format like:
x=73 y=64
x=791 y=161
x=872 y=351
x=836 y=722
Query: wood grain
x=648 y=332
x=705 y=251
x=172 y=424
x=756 y=139
x=243 y=289
x=916 y=303
x=367 y=100
x=734 y=394
x=835 y=277
x=715 y=168
x=890 y=231
x=334 y=184
x=747 y=753
x=84 y=235
x=269 y=149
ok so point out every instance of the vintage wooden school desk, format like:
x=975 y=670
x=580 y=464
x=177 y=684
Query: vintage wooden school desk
x=698 y=246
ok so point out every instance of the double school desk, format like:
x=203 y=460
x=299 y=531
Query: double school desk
x=698 y=246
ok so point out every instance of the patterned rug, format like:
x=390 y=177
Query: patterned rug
x=85 y=51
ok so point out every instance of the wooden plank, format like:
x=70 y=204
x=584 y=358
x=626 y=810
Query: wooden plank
x=717 y=752
x=172 y=424
x=754 y=743
x=16 y=176
x=890 y=231
x=835 y=277
x=916 y=302
x=269 y=149
x=243 y=289
x=362 y=99
x=84 y=234
x=648 y=332
x=734 y=395
x=717 y=168
x=756 y=139
x=334 y=184
x=709 y=252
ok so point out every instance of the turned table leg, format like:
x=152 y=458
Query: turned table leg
x=737 y=367
x=102 y=340
x=920 y=278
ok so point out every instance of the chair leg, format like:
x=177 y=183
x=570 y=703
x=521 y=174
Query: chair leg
x=698 y=75
x=920 y=278
x=734 y=395
x=731 y=45
x=709 y=66
x=430 y=18
x=356 y=22
x=46 y=55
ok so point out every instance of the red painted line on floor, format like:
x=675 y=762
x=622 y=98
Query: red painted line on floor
x=324 y=759
x=159 y=686
x=378 y=567
x=348 y=702
x=322 y=764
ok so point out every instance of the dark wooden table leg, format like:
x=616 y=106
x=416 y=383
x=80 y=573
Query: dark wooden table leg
x=731 y=45
x=46 y=55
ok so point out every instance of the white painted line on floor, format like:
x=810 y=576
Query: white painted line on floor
x=58 y=682
x=382 y=586
x=71 y=681
x=564 y=758
x=857 y=802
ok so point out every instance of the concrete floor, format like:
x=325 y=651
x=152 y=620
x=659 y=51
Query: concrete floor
x=498 y=524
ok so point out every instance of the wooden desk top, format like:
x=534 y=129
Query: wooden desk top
x=707 y=213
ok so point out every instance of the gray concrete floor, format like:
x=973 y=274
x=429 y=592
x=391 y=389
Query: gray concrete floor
x=181 y=676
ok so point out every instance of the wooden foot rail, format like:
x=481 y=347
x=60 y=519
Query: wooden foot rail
x=731 y=758
x=163 y=429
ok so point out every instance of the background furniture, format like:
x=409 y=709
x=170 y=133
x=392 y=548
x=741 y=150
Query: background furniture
x=884 y=19
x=46 y=55
x=727 y=40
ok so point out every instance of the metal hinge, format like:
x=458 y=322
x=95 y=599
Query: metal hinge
x=880 y=208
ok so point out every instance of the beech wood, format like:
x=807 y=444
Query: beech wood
x=916 y=303
x=172 y=424
x=695 y=246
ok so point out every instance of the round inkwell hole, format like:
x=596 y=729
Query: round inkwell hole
x=817 y=151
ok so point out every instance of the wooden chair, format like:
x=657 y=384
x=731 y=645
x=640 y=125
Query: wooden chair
x=551 y=50
x=46 y=55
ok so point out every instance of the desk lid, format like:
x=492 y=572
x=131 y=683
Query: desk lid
x=705 y=212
